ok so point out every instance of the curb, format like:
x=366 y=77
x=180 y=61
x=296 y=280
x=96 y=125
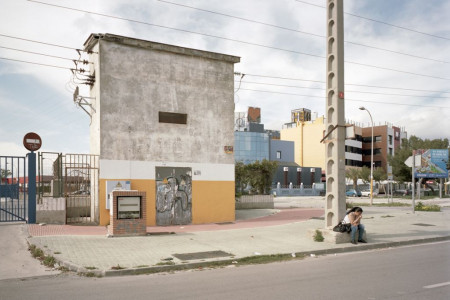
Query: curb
x=206 y=264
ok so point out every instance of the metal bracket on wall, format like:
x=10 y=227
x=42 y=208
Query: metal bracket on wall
x=82 y=101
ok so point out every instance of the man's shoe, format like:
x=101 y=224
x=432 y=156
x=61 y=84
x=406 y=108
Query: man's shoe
x=362 y=241
x=354 y=243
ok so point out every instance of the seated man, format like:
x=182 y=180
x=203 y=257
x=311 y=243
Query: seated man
x=354 y=217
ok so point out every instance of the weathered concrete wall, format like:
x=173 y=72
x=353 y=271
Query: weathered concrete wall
x=135 y=80
x=51 y=211
x=137 y=83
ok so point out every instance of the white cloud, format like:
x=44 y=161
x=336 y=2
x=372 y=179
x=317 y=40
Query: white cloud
x=49 y=110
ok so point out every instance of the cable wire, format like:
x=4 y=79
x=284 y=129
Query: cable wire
x=43 y=54
x=347 y=91
x=346 y=99
x=300 y=31
x=351 y=84
x=35 y=63
x=381 y=22
x=44 y=43
x=227 y=39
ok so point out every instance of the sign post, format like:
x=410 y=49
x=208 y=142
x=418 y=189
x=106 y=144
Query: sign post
x=32 y=142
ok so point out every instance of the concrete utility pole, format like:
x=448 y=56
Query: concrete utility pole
x=335 y=115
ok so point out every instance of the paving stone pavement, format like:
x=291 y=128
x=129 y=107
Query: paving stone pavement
x=255 y=232
x=385 y=227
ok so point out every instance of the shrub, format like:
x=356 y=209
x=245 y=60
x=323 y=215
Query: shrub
x=318 y=237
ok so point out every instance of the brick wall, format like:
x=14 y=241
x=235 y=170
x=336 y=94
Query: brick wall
x=128 y=227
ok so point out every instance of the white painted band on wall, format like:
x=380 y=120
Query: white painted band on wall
x=125 y=169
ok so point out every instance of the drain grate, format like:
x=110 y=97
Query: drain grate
x=423 y=224
x=202 y=255
x=225 y=223
x=318 y=218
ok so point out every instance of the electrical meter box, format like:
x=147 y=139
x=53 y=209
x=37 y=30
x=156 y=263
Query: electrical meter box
x=129 y=207
x=128 y=215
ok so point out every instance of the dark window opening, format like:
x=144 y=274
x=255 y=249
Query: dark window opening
x=174 y=118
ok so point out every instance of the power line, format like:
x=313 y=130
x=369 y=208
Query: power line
x=39 y=42
x=351 y=84
x=227 y=39
x=43 y=54
x=382 y=22
x=299 y=31
x=346 y=99
x=35 y=63
x=347 y=91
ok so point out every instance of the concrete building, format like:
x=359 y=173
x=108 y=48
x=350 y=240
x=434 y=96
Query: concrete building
x=306 y=130
x=162 y=121
x=387 y=138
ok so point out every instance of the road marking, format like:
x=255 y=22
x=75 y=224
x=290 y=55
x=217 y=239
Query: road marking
x=436 y=285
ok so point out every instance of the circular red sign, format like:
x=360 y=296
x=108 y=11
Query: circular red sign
x=32 y=141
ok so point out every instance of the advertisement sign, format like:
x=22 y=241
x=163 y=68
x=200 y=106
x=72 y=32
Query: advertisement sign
x=433 y=163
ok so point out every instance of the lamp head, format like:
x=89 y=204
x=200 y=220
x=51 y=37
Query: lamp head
x=362 y=108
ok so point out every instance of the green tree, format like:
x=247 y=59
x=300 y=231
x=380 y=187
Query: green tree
x=353 y=174
x=379 y=174
x=365 y=174
x=5 y=173
x=401 y=171
x=257 y=175
x=241 y=179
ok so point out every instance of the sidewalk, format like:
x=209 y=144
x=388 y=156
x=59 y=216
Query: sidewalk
x=257 y=232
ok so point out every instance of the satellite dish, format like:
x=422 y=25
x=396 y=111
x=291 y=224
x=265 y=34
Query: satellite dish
x=75 y=94
x=240 y=122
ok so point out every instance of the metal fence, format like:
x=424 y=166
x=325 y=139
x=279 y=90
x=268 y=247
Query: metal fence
x=13 y=189
x=73 y=177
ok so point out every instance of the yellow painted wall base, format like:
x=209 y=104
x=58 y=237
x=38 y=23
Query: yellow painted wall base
x=212 y=201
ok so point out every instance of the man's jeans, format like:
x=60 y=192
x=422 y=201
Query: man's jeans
x=359 y=227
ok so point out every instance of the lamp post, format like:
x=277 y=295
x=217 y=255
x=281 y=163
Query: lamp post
x=371 y=157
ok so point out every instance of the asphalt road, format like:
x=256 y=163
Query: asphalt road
x=414 y=272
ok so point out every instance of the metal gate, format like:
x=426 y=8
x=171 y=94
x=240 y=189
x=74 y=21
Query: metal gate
x=74 y=177
x=173 y=196
x=80 y=187
x=13 y=189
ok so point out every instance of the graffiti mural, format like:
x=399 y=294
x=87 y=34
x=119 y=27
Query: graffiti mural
x=173 y=196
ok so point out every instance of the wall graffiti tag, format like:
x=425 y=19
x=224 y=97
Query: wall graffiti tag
x=173 y=196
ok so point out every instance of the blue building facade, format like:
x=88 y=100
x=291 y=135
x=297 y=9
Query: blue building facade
x=250 y=146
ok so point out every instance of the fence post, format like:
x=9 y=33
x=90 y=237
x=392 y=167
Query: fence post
x=31 y=188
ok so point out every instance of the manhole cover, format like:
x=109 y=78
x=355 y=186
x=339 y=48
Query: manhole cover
x=202 y=255
x=422 y=224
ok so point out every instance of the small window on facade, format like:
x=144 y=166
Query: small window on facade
x=278 y=154
x=390 y=139
x=174 y=118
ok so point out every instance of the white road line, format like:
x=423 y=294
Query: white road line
x=436 y=285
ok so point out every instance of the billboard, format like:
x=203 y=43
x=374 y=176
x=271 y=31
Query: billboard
x=433 y=163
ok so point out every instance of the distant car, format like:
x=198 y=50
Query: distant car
x=353 y=193
x=366 y=193
x=402 y=192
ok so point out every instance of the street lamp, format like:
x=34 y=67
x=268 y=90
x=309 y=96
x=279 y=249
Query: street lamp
x=371 y=157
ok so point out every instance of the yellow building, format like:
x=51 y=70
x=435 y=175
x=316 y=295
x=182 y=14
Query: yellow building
x=306 y=135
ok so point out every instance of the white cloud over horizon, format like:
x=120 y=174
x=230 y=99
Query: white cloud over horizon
x=37 y=98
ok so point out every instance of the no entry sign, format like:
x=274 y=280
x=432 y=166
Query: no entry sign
x=32 y=141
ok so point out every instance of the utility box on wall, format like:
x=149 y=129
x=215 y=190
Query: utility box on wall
x=128 y=215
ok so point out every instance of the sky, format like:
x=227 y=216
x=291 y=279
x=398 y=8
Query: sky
x=400 y=73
